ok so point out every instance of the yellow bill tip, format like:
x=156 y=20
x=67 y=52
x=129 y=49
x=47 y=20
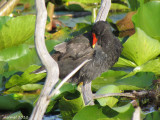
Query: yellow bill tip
x=93 y=46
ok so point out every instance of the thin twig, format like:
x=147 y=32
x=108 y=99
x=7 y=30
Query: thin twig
x=95 y=96
x=67 y=78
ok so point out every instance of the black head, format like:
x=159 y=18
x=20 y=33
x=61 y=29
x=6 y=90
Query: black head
x=100 y=27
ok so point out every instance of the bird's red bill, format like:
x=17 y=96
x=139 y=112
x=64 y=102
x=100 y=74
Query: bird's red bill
x=94 y=40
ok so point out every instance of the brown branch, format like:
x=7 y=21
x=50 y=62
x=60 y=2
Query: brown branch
x=113 y=94
x=51 y=66
x=133 y=94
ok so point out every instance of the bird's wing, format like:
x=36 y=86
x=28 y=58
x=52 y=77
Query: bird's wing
x=78 y=47
x=61 y=47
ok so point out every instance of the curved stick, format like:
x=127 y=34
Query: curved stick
x=51 y=66
x=104 y=10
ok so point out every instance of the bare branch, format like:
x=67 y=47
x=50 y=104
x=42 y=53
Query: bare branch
x=113 y=94
x=137 y=114
x=67 y=78
x=51 y=66
x=104 y=10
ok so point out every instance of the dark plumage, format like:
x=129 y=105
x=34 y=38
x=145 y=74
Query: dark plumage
x=71 y=54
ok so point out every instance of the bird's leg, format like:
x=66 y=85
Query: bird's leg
x=87 y=93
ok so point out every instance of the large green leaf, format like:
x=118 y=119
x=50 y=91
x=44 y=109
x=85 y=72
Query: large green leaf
x=105 y=113
x=150 y=66
x=16 y=30
x=139 y=81
x=125 y=112
x=14 y=52
x=147 y=18
x=141 y=48
x=31 y=87
x=21 y=63
x=70 y=104
x=25 y=78
x=110 y=101
x=122 y=62
x=106 y=78
x=90 y=113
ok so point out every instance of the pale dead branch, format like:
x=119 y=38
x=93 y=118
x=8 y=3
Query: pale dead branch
x=137 y=114
x=104 y=10
x=51 y=66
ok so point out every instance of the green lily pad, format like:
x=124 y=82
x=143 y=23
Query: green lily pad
x=26 y=78
x=122 y=62
x=105 y=113
x=140 y=80
x=22 y=63
x=14 y=52
x=147 y=18
x=70 y=104
x=16 y=31
x=90 y=113
x=110 y=101
x=122 y=109
x=141 y=48
x=125 y=112
x=107 y=78
x=150 y=66
x=15 y=89
x=31 y=87
x=67 y=87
